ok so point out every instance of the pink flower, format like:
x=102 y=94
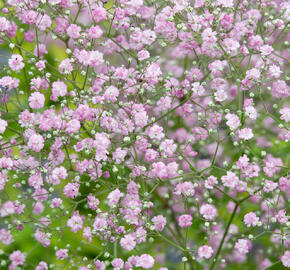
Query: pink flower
x=282 y=217
x=73 y=126
x=111 y=94
x=75 y=222
x=148 y=37
x=16 y=258
x=275 y=71
x=128 y=242
x=43 y=22
x=117 y=264
x=100 y=265
x=152 y=73
x=205 y=251
x=40 y=50
x=280 y=89
x=59 y=89
x=3 y=126
x=36 y=100
x=4 y=24
x=119 y=155
x=185 y=189
x=159 y=222
x=145 y=261
x=73 y=31
x=156 y=132
x=95 y=32
x=87 y=233
x=243 y=246
x=41 y=65
x=114 y=197
x=269 y=186
x=5 y=237
x=16 y=62
x=100 y=223
x=285 y=259
x=71 y=190
x=29 y=36
x=246 y=134
x=41 y=266
x=95 y=58
x=210 y=182
x=36 y=142
x=266 y=50
x=65 y=66
x=284 y=183
x=231 y=46
x=93 y=202
x=168 y=147
x=230 y=180
x=56 y=175
x=143 y=55
x=61 y=254
x=208 y=211
x=158 y=115
x=253 y=74
x=285 y=114
x=251 y=219
x=9 y=82
x=233 y=120
x=197 y=89
x=42 y=238
x=184 y=221
x=99 y=14
x=225 y=3
x=200 y=133
x=56 y=202
x=30 y=16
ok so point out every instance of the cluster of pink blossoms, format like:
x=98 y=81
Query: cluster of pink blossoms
x=144 y=134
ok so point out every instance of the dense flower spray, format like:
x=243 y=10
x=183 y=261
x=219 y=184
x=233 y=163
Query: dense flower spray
x=141 y=134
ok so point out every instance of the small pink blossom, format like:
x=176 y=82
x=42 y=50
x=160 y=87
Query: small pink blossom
x=16 y=62
x=36 y=143
x=100 y=265
x=282 y=216
x=210 y=182
x=205 y=251
x=73 y=31
x=285 y=259
x=128 y=242
x=59 y=89
x=3 y=126
x=208 y=211
x=114 y=197
x=230 y=180
x=61 y=254
x=75 y=222
x=17 y=258
x=184 y=221
x=159 y=222
x=246 y=134
x=145 y=261
x=143 y=55
x=251 y=219
x=242 y=246
x=118 y=264
x=99 y=14
x=36 y=100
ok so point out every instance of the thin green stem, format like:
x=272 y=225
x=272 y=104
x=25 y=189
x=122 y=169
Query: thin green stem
x=224 y=237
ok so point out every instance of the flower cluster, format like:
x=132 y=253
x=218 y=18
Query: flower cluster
x=144 y=134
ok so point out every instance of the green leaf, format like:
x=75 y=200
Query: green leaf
x=276 y=266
